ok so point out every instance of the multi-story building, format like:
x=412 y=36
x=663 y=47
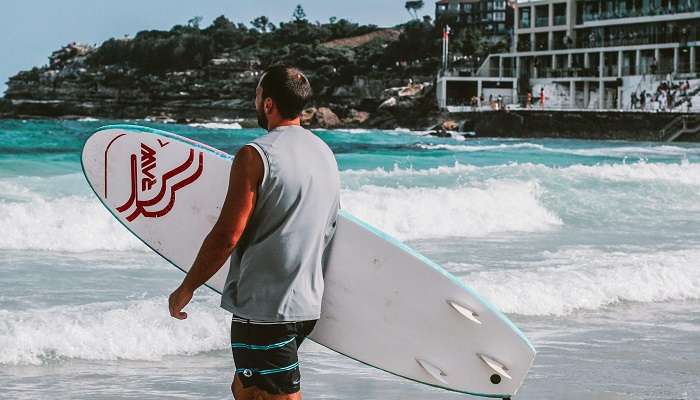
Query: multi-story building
x=489 y=16
x=590 y=53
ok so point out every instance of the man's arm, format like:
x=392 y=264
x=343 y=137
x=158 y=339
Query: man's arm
x=246 y=174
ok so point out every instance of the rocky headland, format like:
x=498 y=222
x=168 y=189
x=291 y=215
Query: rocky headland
x=104 y=82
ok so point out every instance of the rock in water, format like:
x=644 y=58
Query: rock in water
x=356 y=117
x=388 y=103
x=326 y=118
x=308 y=116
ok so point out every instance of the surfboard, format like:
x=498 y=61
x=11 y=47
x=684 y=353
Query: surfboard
x=384 y=304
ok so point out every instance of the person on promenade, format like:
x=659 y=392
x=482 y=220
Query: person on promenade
x=276 y=224
x=542 y=97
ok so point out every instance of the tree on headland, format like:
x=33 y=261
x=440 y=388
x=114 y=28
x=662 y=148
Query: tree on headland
x=413 y=7
x=262 y=24
x=299 y=14
x=194 y=22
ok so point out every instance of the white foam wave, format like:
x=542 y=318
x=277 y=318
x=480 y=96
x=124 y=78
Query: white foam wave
x=614 y=151
x=456 y=168
x=683 y=172
x=217 y=125
x=589 y=279
x=622 y=151
x=420 y=213
x=136 y=330
x=74 y=223
x=477 y=148
x=361 y=131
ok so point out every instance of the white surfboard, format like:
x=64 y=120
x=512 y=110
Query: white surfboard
x=384 y=304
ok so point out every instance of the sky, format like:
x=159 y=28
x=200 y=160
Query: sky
x=32 y=29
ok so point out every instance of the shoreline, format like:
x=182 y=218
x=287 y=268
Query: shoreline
x=631 y=125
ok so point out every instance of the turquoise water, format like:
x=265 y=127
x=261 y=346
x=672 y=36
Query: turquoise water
x=590 y=247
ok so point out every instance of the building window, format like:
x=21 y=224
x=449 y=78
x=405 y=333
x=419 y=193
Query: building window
x=560 y=14
x=542 y=16
x=524 y=17
x=499 y=16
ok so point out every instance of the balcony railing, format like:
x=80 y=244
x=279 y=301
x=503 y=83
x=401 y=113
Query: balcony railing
x=492 y=72
x=524 y=23
x=567 y=72
x=541 y=21
x=680 y=8
x=634 y=39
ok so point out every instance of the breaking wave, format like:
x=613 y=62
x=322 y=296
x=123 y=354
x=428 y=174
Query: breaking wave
x=420 y=213
x=136 y=330
x=589 y=279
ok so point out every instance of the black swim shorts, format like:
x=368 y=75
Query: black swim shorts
x=266 y=354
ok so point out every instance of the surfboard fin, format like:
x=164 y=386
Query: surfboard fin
x=432 y=370
x=469 y=314
x=496 y=366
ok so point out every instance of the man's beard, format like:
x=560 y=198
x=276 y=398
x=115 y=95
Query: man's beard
x=262 y=119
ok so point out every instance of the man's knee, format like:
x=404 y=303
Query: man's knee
x=238 y=391
x=234 y=389
x=255 y=393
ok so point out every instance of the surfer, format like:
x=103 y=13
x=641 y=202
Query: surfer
x=276 y=223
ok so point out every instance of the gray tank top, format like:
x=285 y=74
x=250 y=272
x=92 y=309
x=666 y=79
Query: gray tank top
x=276 y=270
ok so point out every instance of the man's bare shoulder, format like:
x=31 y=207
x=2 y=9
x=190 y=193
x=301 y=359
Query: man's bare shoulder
x=248 y=163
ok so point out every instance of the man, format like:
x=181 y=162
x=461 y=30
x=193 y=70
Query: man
x=276 y=224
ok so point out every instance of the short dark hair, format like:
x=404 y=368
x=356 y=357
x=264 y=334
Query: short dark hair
x=288 y=88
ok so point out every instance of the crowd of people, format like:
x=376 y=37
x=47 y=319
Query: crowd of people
x=668 y=96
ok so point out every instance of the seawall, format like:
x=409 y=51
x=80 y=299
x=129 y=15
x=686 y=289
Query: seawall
x=578 y=124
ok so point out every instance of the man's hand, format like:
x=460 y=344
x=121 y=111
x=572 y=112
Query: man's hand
x=178 y=300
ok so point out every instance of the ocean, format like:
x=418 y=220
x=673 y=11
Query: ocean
x=592 y=248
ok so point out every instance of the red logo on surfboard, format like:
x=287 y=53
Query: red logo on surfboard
x=145 y=180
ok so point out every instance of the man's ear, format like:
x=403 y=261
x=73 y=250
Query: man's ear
x=268 y=105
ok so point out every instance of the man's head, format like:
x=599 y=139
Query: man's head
x=281 y=95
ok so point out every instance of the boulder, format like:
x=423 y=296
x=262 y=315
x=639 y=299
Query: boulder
x=356 y=117
x=307 y=116
x=326 y=118
x=388 y=103
x=411 y=90
x=450 y=125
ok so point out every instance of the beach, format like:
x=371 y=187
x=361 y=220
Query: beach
x=591 y=247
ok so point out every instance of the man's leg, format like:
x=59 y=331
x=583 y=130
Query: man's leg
x=254 y=393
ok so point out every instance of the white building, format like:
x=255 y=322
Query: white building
x=587 y=54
